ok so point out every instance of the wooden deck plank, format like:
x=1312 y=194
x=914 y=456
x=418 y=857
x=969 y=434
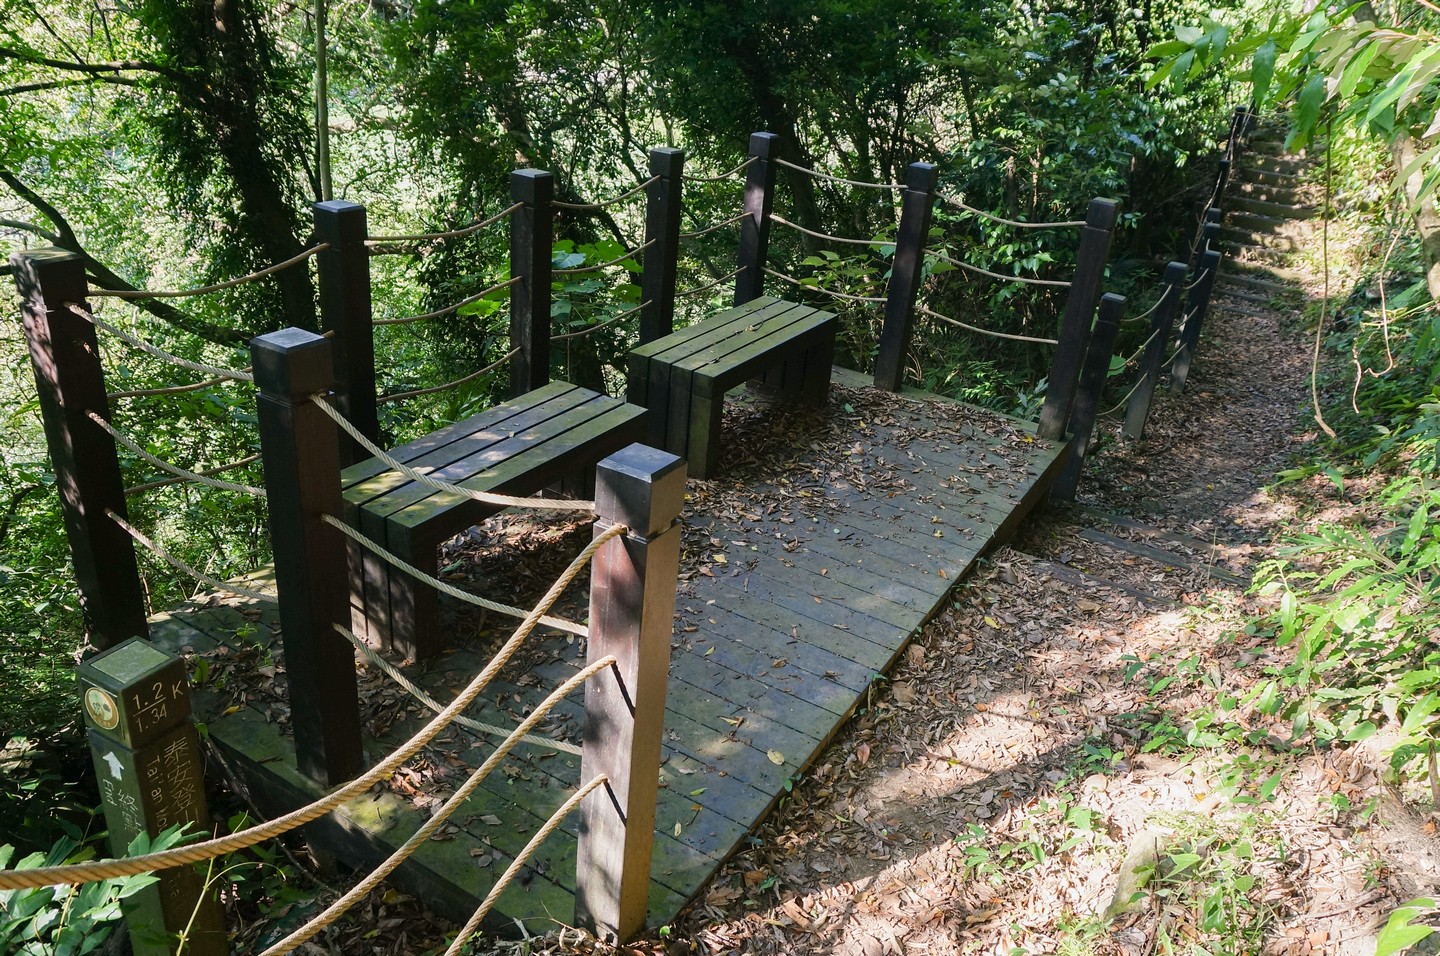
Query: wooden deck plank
x=820 y=591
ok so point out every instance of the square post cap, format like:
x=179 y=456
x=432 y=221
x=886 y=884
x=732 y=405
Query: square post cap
x=642 y=488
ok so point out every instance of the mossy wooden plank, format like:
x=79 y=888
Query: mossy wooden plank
x=719 y=624
x=801 y=596
x=772 y=721
x=722 y=643
x=704 y=668
x=827 y=632
x=867 y=555
x=838 y=575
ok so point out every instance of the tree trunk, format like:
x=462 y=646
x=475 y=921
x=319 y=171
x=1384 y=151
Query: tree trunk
x=1427 y=219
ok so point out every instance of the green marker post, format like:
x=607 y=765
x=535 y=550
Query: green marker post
x=136 y=700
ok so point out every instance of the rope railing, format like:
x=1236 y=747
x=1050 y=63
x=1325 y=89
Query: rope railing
x=1197 y=280
x=722 y=176
x=522 y=858
x=219 y=469
x=441 y=313
x=713 y=227
x=581 y=333
x=91 y=871
x=459 y=233
x=216 y=287
x=819 y=288
x=975 y=328
x=504 y=501
x=183 y=474
x=439 y=817
x=710 y=285
x=170 y=390
x=612 y=201
x=1020 y=224
x=1026 y=280
x=840 y=179
x=418 y=692
x=1151 y=311
x=826 y=236
x=184 y=568
x=432 y=389
x=1122 y=403
x=580 y=270
x=233 y=375
x=558 y=623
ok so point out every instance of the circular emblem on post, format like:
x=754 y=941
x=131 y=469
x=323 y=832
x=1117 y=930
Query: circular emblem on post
x=101 y=708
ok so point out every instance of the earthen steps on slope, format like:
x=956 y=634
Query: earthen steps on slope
x=1270 y=178
x=1281 y=195
x=1253 y=222
x=1274 y=211
x=1257 y=282
x=1261 y=240
x=1283 y=165
x=1225 y=292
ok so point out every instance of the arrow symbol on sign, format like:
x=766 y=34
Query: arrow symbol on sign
x=115 y=765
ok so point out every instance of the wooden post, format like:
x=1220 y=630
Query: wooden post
x=136 y=701
x=632 y=606
x=1195 y=309
x=755 y=227
x=662 y=227
x=302 y=482
x=1087 y=397
x=1079 y=313
x=1162 y=321
x=905 y=275
x=65 y=357
x=345 y=310
x=1222 y=180
x=532 y=233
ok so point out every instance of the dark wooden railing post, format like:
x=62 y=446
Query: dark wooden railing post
x=662 y=228
x=65 y=357
x=1222 y=180
x=302 y=483
x=632 y=606
x=1087 y=397
x=1079 y=314
x=532 y=233
x=906 y=270
x=1195 y=309
x=755 y=227
x=1162 y=321
x=345 y=310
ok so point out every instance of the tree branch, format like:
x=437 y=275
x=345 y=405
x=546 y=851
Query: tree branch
x=117 y=66
x=30 y=227
x=64 y=237
x=60 y=84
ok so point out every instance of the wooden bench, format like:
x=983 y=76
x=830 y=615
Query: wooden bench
x=682 y=378
x=517 y=448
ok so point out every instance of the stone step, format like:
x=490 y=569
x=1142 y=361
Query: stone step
x=1063 y=572
x=1149 y=532
x=1272 y=210
x=1256 y=255
x=1163 y=556
x=1261 y=192
x=1235 y=294
x=1284 y=165
x=1236 y=235
x=1253 y=222
x=1271 y=273
x=1256 y=282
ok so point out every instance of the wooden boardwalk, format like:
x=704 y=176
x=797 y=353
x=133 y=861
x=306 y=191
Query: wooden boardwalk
x=808 y=565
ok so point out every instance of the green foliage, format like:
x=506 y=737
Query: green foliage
x=70 y=920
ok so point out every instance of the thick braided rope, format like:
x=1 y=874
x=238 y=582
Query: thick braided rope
x=710 y=285
x=722 y=176
x=1193 y=284
x=818 y=288
x=1124 y=401
x=581 y=333
x=176 y=470
x=1026 y=280
x=513 y=870
x=975 y=328
x=456 y=307
x=184 y=568
x=417 y=392
x=838 y=179
x=418 y=692
x=360 y=890
x=1150 y=311
x=580 y=270
x=825 y=235
x=713 y=227
x=558 y=623
x=504 y=501
x=164 y=356
x=451 y=234
x=209 y=849
x=218 y=469
x=202 y=290
x=1071 y=224
x=614 y=200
